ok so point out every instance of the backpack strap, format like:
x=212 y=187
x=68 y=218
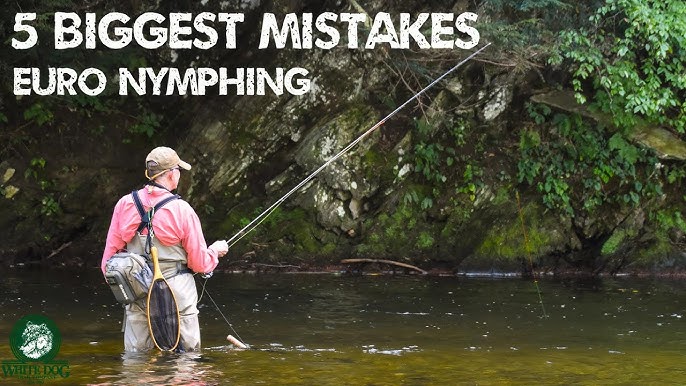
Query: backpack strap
x=146 y=217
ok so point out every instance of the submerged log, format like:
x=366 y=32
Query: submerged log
x=382 y=261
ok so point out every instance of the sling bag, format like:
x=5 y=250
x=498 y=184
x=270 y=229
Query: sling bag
x=129 y=274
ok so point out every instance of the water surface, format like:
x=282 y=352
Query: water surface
x=374 y=330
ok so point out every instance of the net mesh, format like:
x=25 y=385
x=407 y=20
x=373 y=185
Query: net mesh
x=163 y=315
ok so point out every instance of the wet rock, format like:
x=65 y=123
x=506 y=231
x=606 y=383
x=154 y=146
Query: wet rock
x=499 y=98
x=355 y=207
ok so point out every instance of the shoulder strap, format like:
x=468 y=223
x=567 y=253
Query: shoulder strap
x=139 y=206
x=146 y=217
x=166 y=200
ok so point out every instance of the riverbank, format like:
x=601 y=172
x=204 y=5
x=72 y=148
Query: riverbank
x=512 y=163
x=374 y=269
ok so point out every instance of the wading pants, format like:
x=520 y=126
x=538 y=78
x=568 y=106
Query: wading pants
x=136 y=331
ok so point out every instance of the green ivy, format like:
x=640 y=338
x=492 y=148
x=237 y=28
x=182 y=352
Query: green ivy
x=632 y=62
x=577 y=168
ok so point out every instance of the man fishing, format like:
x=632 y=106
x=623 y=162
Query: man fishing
x=179 y=239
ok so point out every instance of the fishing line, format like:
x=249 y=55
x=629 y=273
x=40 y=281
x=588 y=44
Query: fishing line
x=528 y=253
x=205 y=292
x=260 y=218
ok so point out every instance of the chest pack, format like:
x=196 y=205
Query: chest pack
x=129 y=274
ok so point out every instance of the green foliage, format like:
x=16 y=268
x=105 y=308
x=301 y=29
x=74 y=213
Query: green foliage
x=88 y=104
x=669 y=227
x=527 y=5
x=674 y=173
x=39 y=113
x=208 y=209
x=667 y=219
x=147 y=125
x=396 y=226
x=36 y=166
x=428 y=160
x=425 y=240
x=415 y=196
x=434 y=157
x=293 y=225
x=49 y=206
x=578 y=168
x=275 y=216
x=632 y=62
x=471 y=181
x=527 y=25
x=36 y=170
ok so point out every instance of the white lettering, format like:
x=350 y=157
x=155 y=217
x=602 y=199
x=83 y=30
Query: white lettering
x=231 y=19
x=472 y=32
x=408 y=30
x=19 y=26
x=126 y=79
x=438 y=30
x=270 y=27
x=21 y=80
x=122 y=34
x=247 y=81
x=326 y=29
x=100 y=86
x=353 y=19
x=211 y=33
x=159 y=33
x=59 y=81
x=176 y=30
x=61 y=41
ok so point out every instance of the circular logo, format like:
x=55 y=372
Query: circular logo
x=35 y=338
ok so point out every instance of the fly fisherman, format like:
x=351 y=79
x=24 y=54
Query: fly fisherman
x=179 y=240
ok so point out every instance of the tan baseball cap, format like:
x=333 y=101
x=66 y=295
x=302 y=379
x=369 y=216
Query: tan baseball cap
x=164 y=158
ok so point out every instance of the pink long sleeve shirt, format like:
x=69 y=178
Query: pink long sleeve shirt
x=175 y=223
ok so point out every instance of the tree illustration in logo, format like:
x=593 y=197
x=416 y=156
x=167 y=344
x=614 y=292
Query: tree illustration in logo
x=37 y=340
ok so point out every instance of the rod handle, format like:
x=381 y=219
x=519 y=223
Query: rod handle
x=236 y=342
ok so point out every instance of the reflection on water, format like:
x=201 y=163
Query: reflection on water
x=160 y=369
x=332 y=330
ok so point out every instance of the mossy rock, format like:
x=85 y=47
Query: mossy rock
x=502 y=242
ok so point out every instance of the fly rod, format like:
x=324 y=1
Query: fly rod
x=262 y=216
x=258 y=220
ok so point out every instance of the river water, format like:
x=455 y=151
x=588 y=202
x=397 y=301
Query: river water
x=374 y=330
